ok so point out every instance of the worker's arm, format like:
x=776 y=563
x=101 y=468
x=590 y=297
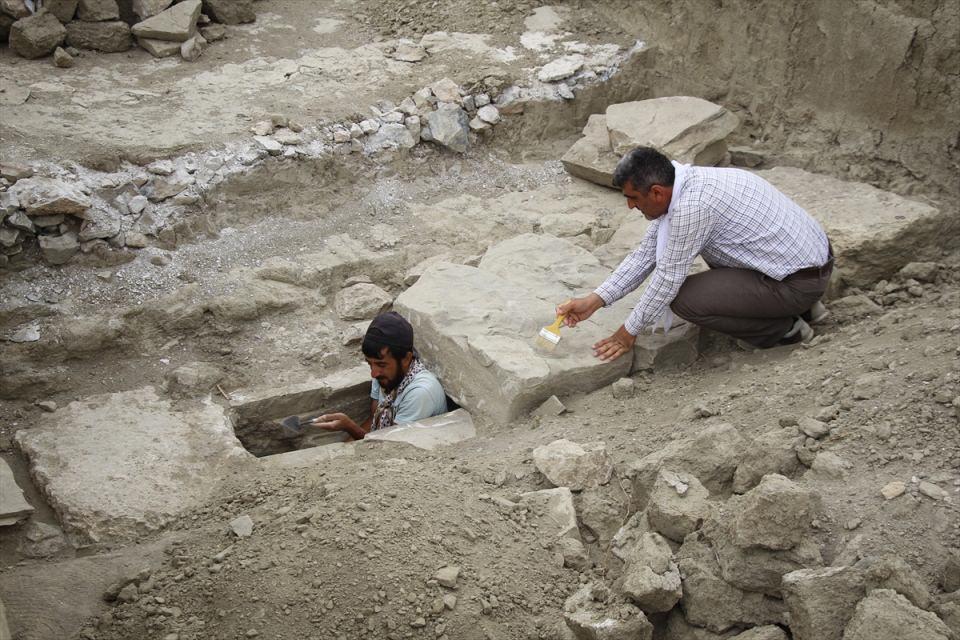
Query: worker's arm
x=342 y=422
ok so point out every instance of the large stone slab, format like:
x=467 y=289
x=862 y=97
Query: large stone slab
x=126 y=463
x=591 y=157
x=111 y=37
x=48 y=196
x=176 y=24
x=430 y=433
x=13 y=504
x=478 y=325
x=874 y=233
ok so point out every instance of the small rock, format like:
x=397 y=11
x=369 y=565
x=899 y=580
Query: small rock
x=63 y=59
x=447 y=576
x=29 y=333
x=47 y=405
x=449 y=601
x=623 y=388
x=242 y=527
x=37 y=35
x=270 y=145
x=920 y=271
x=565 y=92
x=489 y=114
x=446 y=90
x=575 y=466
x=551 y=407
x=561 y=68
x=932 y=491
x=894 y=489
x=813 y=428
x=193 y=48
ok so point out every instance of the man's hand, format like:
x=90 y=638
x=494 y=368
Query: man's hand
x=615 y=346
x=579 y=309
x=337 y=422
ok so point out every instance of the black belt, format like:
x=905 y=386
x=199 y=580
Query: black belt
x=820 y=271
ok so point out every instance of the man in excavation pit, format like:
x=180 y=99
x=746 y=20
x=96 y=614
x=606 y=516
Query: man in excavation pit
x=770 y=261
x=402 y=390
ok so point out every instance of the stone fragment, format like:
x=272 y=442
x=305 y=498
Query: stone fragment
x=21 y=221
x=821 y=601
x=711 y=602
x=445 y=90
x=746 y=157
x=776 y=514
x=650 y=578
x=565 y=92
x=575 y=466
x=63 y=59
x=489 y=114
x=13 y=172
x=192 y=49
x=561 y=68
x=678 y=505
x=675 y=350
x=591 y=614
x=163 y=187
x=42 y=196
x=893 y=489
x=391 y=135
x=63 y=10
x=159 y=48
x=58 y=249
x=176 y=24
x=623 y=388
x=117 y=465
x=242 y=526
x=449 y=126
x=230 y=11
x=447 y=576
x=886 y=615
x=37 y=35
x=814 y=428
x=269 y=145
x=772 y=452
x=286 y=136
x=409 y=52
x=553 y=511
x=13 y=503
x=361 y=301
x=101 y=222
x=551 y=407
x=98 y=10
x=712 y=456
x=42 y=540
x=931 y=490
x=890 y=572
x=194 y=377
x=110 y=37
x=213 y=32
x=148 y=8
x=14 y=8
x=429 y=433
x=574 y=554
x=920 y=271
x=26 y=333
x=591 y=157
x=601 y=510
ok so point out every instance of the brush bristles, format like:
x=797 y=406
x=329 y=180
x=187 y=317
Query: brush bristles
x=549 y=335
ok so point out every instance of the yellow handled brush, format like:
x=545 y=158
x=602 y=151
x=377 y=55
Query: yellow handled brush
x=549 y=336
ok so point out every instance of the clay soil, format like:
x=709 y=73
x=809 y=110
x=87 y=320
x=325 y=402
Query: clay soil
x=350 y=550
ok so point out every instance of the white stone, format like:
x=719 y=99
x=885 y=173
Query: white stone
x=269 y=145
x=369 y=125
x=361 y=301
x=446 y=90
x=391 y=135
x=489 y=114
x=575 y=466
x=176 y=24
x=429 y=433
x=242 y=526
x=46 y=196
x=561 y=68
x=116 y=465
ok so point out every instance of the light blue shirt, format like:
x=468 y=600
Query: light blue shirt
x=423 y=398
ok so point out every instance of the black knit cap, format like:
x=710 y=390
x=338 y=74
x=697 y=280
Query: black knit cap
x=391 y=329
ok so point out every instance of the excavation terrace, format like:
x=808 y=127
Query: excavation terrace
x=204 y=203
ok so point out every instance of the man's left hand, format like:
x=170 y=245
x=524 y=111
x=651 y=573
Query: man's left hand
x=615 y=346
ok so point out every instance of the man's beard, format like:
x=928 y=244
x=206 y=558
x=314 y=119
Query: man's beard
x=389 y=385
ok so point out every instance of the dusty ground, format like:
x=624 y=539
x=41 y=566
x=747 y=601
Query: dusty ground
x=382 y=524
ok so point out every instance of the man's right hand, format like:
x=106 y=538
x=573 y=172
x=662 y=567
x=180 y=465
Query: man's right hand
x=579 y=309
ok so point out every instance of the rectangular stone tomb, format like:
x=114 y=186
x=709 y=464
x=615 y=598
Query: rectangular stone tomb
x=258 y=412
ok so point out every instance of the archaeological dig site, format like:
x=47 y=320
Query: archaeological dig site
x=463 y=320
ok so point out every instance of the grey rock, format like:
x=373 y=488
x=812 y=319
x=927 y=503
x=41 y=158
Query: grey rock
x=42 y=196
x=21 y=221
x=361 y=301
x=550 y=408
x=13 y=503
x=58 y=249
x=12 y=171
x=772 y=452
x=950 y=574
x=445 y=90
x=36 y=36
x=623 y=388
x=814 y=428
x=176 y=24
x=98 y=10
x=561 y=68
x=574 y=554
x=828 y=465
x=776 y=514
x=591 y=157
x=746 y=157
x=886 y=615
x=63 y=10
x=194 y=377
x=449 y=126
x=14 y=8
x=601 y=510
x=269 y=145
x=63 y=59
x=192 y=49
x=553 y=511
x=100 y=223
x=159 y=48
x=590 y=615
x=575 y=466
x=110 y=37
x=242 y=526
x=230 y=11
x=769 y=632
x=651 y=580
x=9 y=237
x=678 y=505
x=409 y=52
x=164 y=187
x=148 y=8
x=920 y=271
x=213 y=32
x=890 y=572
x=489 y=114
x=821 y=601
x=42 y=540
x=27 y=333
x=447 y=576
x=391 y=135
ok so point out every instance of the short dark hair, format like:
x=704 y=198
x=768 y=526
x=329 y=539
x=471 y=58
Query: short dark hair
x=643 y=167
x=373 y=348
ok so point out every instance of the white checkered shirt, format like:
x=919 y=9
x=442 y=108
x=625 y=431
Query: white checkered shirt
x=732 y=218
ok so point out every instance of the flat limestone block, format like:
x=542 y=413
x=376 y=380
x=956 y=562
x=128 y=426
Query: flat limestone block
x=477 y=326
x=124 y=463
x=874 y=233
x=277 y=401
x=176 y=24
x=684 y=128
x=13 y=504
x=438 y=431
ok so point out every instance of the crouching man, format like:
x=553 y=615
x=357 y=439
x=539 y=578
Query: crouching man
x=403 y=390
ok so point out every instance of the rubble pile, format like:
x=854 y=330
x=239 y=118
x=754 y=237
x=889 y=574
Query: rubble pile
x=162 y=27
x=691 y=562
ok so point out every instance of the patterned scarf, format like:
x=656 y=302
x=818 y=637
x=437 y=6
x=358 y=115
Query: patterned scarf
x=386 y=410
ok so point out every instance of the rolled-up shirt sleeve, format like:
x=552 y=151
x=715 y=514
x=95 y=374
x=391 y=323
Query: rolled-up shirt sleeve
x=690 y=228
x=632 y=271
